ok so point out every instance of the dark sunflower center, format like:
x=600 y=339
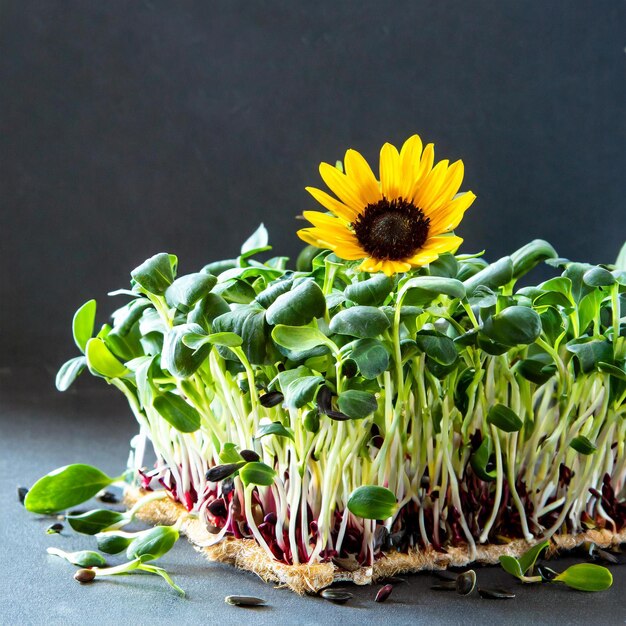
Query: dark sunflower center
x=391 y=229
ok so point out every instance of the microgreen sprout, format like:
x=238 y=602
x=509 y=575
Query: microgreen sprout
x=582 y=576
x=141 y=548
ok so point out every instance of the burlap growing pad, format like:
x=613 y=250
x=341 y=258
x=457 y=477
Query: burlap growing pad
x=247 y=555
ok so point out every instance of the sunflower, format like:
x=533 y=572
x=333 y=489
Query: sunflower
x=402 y=221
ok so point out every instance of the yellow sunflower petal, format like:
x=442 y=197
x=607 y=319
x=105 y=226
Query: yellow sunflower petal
x=394 y=267
x=433 y=248
x=422 y=258
x=325 y=220
x=358 y=169
x=449 y=217
x=426 y=164
x=333 y=236
x=307 y=237
x=344 y=248
x=441 y=243
x=370 y=265
x=390 y=171
x=344 y=188
x=449 y=188
x=330 y=234
x=335 y=206
x=429 y=189
x=350 y=253
x=409 y=164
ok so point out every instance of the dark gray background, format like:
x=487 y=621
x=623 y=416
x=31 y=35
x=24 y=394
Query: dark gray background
x=133 y=127
x=129 y=128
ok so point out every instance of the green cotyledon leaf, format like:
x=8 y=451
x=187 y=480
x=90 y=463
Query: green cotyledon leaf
x=66 y=487
x=83 y=324
x=362 y=322
x=586 y=577
x=152 y=544
x=372 y=502
x=178 y=412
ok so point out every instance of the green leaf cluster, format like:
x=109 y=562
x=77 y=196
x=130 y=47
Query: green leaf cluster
x=453 y=354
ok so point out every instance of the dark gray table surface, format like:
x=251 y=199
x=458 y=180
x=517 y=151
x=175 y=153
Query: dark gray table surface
x=42 y=429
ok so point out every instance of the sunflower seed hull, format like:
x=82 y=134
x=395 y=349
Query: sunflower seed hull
x=84 y=575
x=339 y=596
x=54 y=528
x=21 y=494
x=495 y=594
x=271 y=399
x=350 y=564
x=244 y=601
x=220 y=472
x=249 y=455
x=383 y=593
x=465 y=582
x=445 y=586
x=545 y=572
x=108 y=497
x=607 y=557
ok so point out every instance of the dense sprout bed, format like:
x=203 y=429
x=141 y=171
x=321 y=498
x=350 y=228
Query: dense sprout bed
x=330 y=413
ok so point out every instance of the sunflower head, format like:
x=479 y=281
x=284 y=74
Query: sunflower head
x=402 y=220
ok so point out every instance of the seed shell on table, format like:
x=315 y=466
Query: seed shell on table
x=244 y=601
x=338 y=596
x=444 y=585
x=383 y=593
x=84 y=575
x=495 y=594
x=607 y=557
x=55 y=528
x=465 y=582
x=21 y=494
x=546 y=572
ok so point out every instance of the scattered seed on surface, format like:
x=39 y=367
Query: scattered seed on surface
x=338 y=596
x=383 y=593
x=495 y=594
x=545 y=572
x=21 y=494
x=445 y=585
x=607 y=557
x=244 y=601
x=466 y=582
x=108 y=497
x=53 y=529
x=84 y=575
